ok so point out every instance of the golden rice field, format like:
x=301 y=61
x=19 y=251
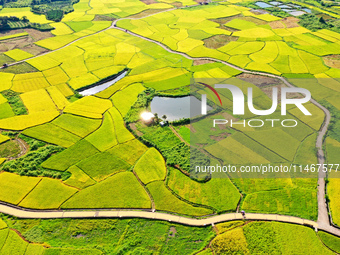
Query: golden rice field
x=106 y=165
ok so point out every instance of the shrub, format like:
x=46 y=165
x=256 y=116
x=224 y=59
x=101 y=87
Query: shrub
x=30 y=164
x=15 y=102
x=55 y=15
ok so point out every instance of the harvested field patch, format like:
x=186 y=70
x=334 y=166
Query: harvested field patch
x=332 y=61
x=218 y=41
x=291 y=22
x=277 y=24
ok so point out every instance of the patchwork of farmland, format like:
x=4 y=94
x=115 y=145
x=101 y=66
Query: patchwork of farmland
x=253 y=42
x=265 y=238
x=35 y=236
x=106 y=166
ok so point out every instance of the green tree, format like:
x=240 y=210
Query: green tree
x=24 y=19
x=322 y=20
x=156 y=118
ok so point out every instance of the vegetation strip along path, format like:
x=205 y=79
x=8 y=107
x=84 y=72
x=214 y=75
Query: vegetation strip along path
x=323 y=219
x=53 y=214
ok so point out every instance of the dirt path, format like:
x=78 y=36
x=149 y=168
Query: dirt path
x=323 y=220
x=178 y=135
x=147 y=214
x=23 y=147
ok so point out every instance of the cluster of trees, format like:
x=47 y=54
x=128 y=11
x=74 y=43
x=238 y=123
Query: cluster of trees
x=39 y=2
x=22 y=23
x=53 y=9
x=14 y=18
x=3 y=2
x=5 y=19
x=4 y=25
x=314 y=23
x=157 y=119
x=55 y=15
x=34 y=2
x=51 y=14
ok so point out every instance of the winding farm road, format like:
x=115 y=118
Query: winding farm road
x=322 y=223
x=50 y=214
